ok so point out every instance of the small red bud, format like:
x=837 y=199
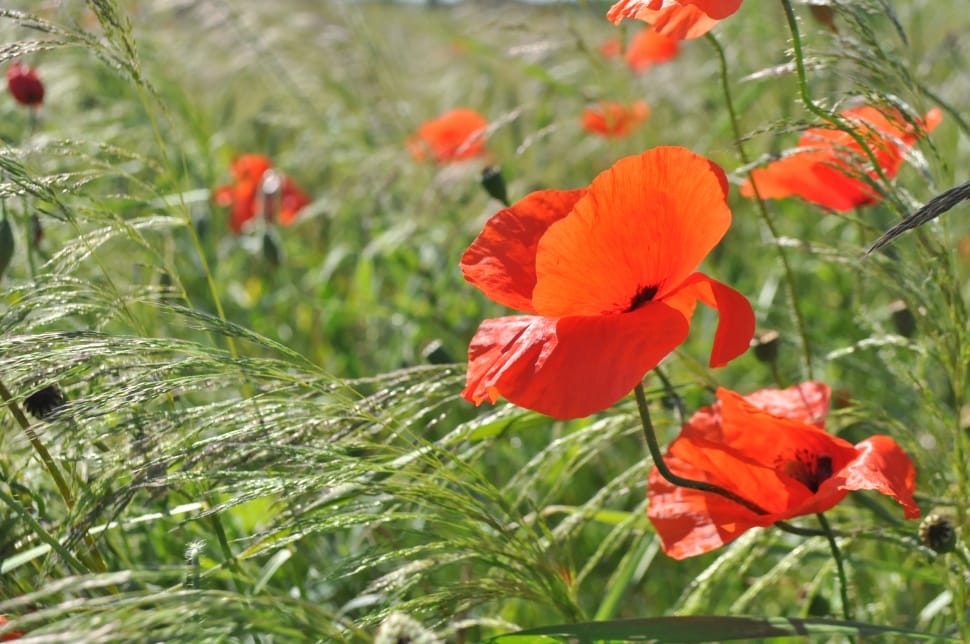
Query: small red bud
x=24 y=85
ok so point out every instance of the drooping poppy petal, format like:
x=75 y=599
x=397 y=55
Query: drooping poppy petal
x=501 y=260
x=679 y=19
x=292 y=201
x=736 y=322
x=644 y=226
x=573 y=366
x=784 y=465
x=24 y=85
x=455 y=135
x=612 y=119
x=598 y=266
x=829 y=165
x=648 y=48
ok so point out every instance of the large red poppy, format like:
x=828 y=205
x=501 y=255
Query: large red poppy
x=614 y=119
x=606 y=276
x=769 y=448
x=680 y=19
x=649 y=47
x=455 y=135
x=255 y=193
x=826 y=168
x=24 y=85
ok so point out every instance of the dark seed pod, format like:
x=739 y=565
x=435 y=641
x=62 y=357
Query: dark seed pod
x=494 y=184
x=44 y=402
x=765 y=345
x=937 y=533
x=903 y=319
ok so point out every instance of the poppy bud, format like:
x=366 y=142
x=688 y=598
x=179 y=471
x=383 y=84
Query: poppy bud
x=435 y=353
x=24 y=85
x=903 y=319
x=271 y=187
x=765 y=345
x=494 y=184
x=272 y=252
x=398 y=628
x=825 y=15
x=36 y=230
x=937 y=533
x=6 y=244
x=45 y=401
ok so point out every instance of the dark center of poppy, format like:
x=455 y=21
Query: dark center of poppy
x=644 y=295
x=809 y=469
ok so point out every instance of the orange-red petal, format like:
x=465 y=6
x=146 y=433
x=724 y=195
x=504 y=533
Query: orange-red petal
x=883 y=466
x=292 y=201
x=569 y=367
x=682 y=20
x=501 y=261
x=614 y=119
x=455 y=135
x=735 y=323
x=647 y=222
x=649 y=47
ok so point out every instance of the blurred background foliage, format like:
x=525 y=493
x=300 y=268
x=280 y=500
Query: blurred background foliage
x=263 y=437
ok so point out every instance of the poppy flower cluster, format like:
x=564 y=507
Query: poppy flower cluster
x=826 y=167
x=612 y=119
x=679 y=19
x=769 y=448
x=24 y=85
x=456 y=135
x=258 y=189
x=606 y=277
x=646 y=49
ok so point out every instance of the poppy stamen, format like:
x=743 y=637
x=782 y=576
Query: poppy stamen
x=809 y=469
x=644 y=295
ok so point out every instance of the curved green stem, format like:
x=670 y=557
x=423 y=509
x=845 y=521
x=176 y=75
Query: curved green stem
x=839 y=566
x=826 y=115
x=651 y=436
x=792 y=288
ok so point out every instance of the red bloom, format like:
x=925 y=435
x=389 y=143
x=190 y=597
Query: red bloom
x=649 y=47
x=255 y=193
x=10 y=635
x=769 y=448
x=24 y=85
x=455 y=135
x=614 y=119
x=680 y=19
x=606 y=274
x=611 y=48
x=825 y=168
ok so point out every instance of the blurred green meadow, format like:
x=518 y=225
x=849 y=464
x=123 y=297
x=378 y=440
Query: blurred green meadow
x=263 y=439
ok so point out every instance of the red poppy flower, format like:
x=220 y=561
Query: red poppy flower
x=680 y=19
x=606 y=276
x=769 y=448
x=821 y=170
x=24 y=85
x=254 y=191
x=649 y=47
x=455 y=135
x=614 y=119
x=11 y=635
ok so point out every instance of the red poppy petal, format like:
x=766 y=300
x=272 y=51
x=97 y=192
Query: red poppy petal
x=807 y=402
x=735 y=324
x=690 y=522
x=649 y=47
x=569 y=367
x=647 y=222
x=223 y=196
x=882 y=465
x=717 y=9
x=501 y=260
x=683 y=23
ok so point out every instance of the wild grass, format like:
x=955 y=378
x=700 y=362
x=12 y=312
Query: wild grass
x=263 y=450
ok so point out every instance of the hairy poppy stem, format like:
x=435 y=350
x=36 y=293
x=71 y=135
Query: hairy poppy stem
x=827 y=116
x=839 y=566
x=763 y=210
x=658 y=460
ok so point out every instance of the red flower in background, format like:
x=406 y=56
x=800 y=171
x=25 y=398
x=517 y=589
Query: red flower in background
x=11 y=635
x=606 y=276
x=259 y=190
x=769 y=448
x=24 y=85
x=679 y=19
x=649 y=47
x=611 y=48
x=822 y=170
x=614 y=119
x=454 y=136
